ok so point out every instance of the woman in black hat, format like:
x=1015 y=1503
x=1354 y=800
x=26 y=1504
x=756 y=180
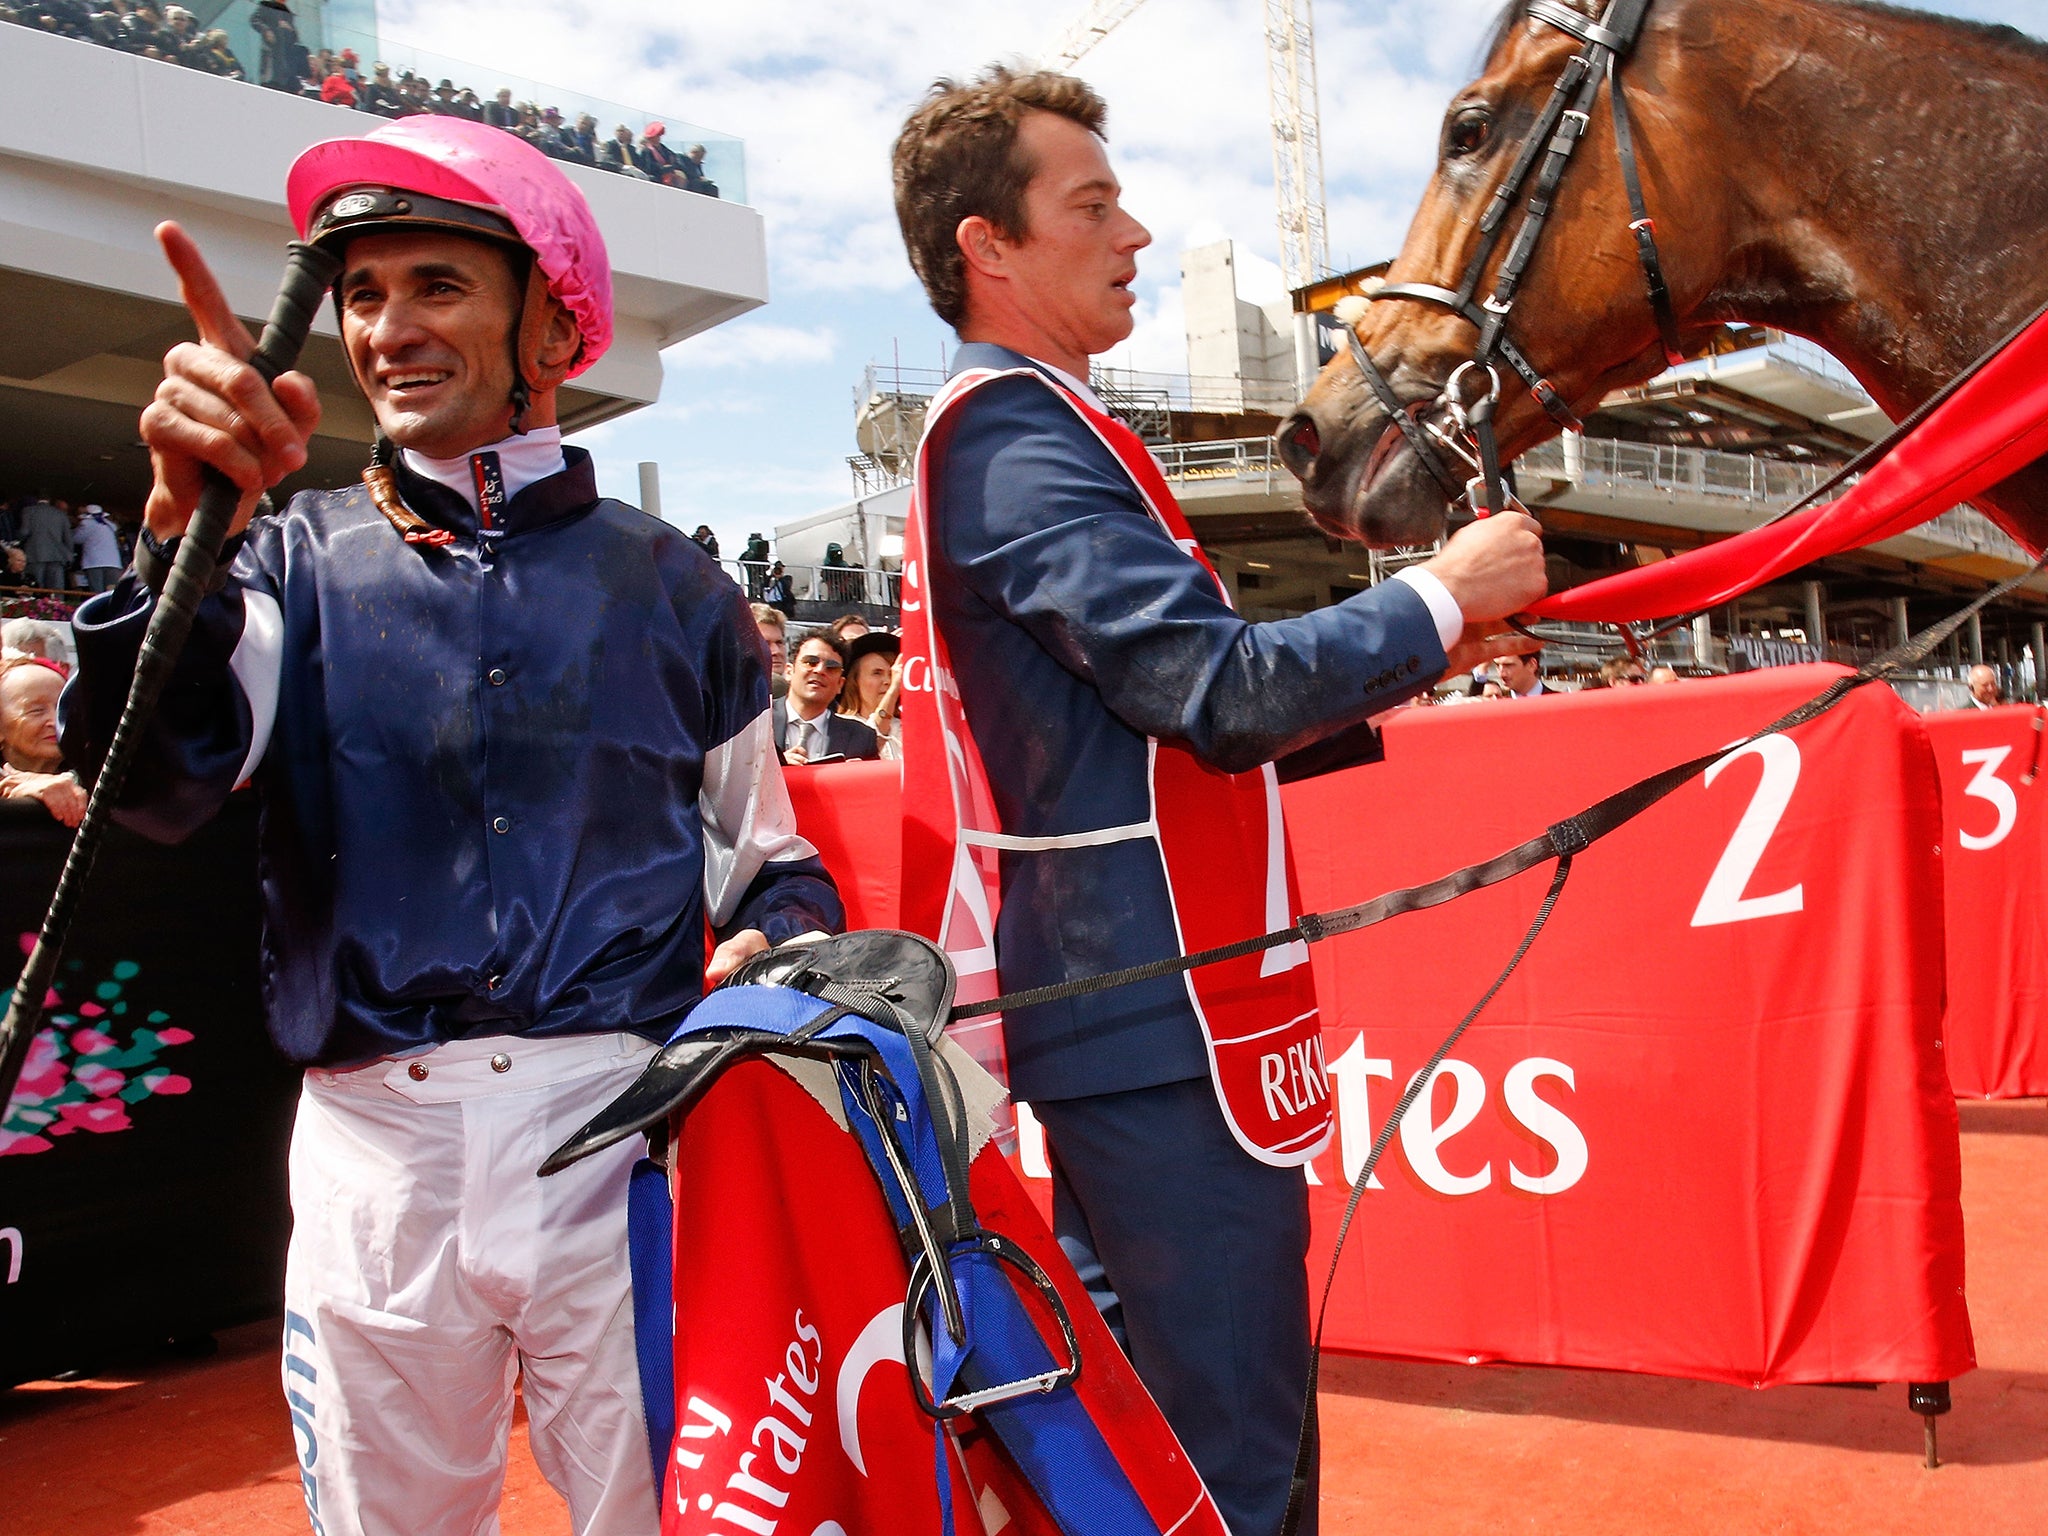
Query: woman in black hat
x=874 y=683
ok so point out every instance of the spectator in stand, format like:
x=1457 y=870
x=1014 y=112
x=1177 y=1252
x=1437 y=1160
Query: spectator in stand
x=31 y=765
x=1985 y=692
x=779 y=591
x=499 y=111
x=336 y=90
x=582 y=140
x=1663 y=674
x=805 y=726
x=660 y=162
x=468 y=107
x=284 y=56
x=618 y=154
x=413 y=97
x=444 y=102
x=213 y=55
x=380 y=96
x=352 y=66
x=98 y=546
x=707 y=539
x=1622 y=671
x=775 y=635
x=1521 y=677
x=692 y=168
x=46 y=540
x=754 y=562
x=13 y=567
x=847 y=628
x=874 y=685
x=551 y=138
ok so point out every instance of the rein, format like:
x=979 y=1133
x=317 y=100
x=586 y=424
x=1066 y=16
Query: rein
x=1544 y=156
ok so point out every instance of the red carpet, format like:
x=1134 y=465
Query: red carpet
x=205 y=1447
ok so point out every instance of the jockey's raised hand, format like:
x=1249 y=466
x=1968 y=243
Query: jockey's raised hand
x=213 y=409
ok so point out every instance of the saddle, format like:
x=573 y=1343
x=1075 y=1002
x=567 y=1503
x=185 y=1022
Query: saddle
x=814 y=1078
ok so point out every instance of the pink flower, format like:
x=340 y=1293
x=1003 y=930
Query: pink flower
x=43 y=1073
x=12 y=1142
x=101 y=1081
x=100 y=1116
x=167 y=1082
x=174 y=1035
x=90 y=1042
x=91 y=1010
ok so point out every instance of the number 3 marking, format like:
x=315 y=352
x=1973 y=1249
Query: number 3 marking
x=1987 y=785
x=1723 y=901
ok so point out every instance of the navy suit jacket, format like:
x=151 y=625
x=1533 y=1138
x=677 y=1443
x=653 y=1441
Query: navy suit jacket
x=843 y=734
x=1078 y=629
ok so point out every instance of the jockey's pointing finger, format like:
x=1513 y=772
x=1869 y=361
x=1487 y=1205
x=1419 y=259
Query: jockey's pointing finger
x=213 y=390
x=197 y=286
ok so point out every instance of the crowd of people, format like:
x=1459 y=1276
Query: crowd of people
x=172 y=34
x=837 y=693
x=48 y=545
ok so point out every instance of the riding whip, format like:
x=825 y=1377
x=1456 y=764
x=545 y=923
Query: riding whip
x=308 y=274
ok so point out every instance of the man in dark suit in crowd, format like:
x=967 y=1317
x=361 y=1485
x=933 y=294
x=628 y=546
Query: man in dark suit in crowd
x=1522 y=676
x=806 y=729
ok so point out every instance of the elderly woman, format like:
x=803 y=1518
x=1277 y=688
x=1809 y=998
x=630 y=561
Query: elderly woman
x=31 y=766
x=874 y=684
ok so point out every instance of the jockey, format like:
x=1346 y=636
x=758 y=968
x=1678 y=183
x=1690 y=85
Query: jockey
x=1106 y=727
x=513 y=749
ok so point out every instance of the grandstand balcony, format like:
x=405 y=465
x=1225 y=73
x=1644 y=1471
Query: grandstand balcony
x=94 y=307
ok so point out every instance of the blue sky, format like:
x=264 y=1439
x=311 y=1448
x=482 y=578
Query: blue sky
x=756 y=418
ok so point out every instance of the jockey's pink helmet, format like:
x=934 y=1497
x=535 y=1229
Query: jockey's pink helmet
x=477 y=168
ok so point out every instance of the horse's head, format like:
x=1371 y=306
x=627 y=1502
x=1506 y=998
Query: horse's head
x=1580 y=315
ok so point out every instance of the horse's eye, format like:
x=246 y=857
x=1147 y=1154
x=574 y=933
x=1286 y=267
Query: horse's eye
x=1468 y=132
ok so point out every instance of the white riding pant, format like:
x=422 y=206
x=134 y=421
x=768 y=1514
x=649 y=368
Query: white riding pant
x=428 y=1264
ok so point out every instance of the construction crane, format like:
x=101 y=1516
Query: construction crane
x=1086 y=30
x=1295 y=109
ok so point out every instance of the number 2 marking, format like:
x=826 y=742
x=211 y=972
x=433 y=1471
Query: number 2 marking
x=1987 y=785
x=1722 y=901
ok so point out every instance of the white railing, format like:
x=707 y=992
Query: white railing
x=1232 y=458
x=1177 y=391
x=1610 y=462
x=843 y=586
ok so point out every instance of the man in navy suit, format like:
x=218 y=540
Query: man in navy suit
x=1086 y=643
x=807 y=728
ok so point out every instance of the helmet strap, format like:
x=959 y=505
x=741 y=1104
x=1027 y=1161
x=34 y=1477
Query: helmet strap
x=529 y=340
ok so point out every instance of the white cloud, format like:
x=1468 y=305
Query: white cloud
x=752 y=344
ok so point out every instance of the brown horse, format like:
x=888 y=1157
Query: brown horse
x=1872 y=178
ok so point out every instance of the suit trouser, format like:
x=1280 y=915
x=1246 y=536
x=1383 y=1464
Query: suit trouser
x=429 y=1266
x=1207 y=1251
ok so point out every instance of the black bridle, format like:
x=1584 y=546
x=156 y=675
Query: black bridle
x=1544 y=155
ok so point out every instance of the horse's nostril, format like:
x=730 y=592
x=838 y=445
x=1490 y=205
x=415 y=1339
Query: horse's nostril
x=1299 y=441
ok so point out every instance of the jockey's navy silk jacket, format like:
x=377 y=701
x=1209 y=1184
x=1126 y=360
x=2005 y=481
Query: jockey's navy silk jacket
x=503 y=781
x=1078 y=629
